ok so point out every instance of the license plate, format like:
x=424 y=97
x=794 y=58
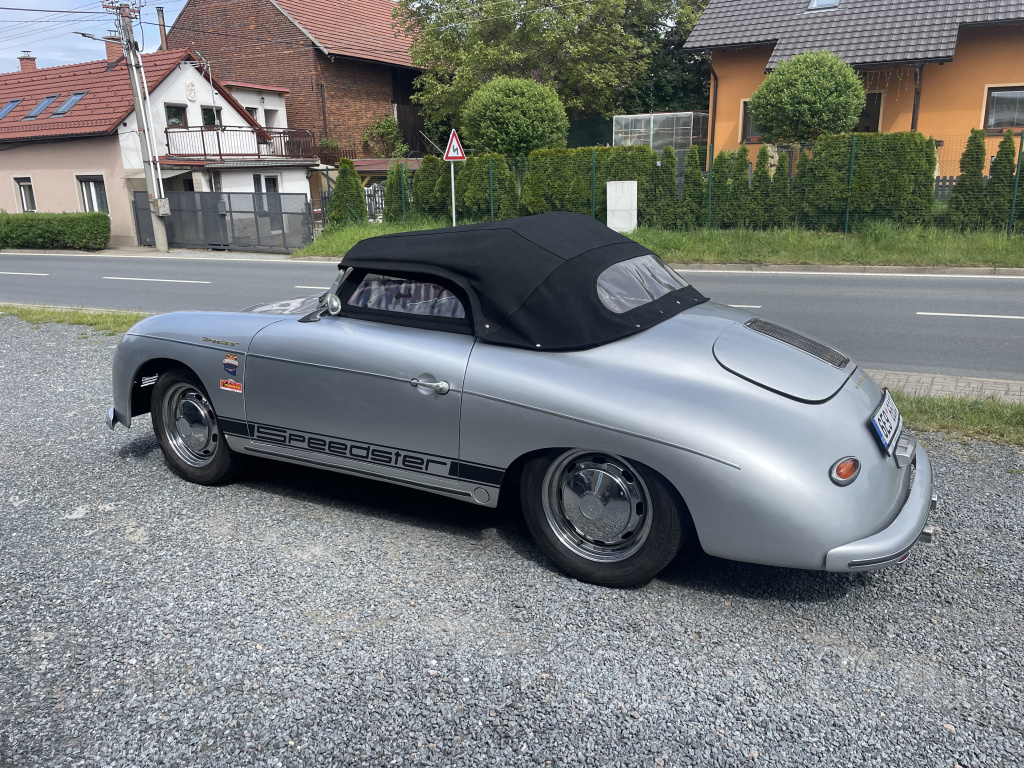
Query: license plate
x=887 y=424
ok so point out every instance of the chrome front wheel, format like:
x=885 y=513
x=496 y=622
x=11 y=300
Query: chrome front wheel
x=191 y=424
x=186 y=426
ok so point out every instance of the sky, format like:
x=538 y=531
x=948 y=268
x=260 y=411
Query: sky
x=50 y=36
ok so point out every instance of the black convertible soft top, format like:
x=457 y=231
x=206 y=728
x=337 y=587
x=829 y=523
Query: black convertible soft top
x=531 y=282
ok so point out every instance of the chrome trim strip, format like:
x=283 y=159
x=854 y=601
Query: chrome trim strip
x=603 y=426
x=401 y=379
x=361 y=472
x=237 y=350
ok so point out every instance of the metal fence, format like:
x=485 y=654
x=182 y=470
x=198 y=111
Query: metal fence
x=840 y=184
x=230 y=220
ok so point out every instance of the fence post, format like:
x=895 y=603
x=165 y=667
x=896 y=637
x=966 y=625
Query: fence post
x=711 y=176
x=490 y=174
x=849 y=186
x=1016 y=185
x=593 y=183
x=401 y=176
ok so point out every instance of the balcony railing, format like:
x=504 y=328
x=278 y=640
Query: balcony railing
x=229 y=142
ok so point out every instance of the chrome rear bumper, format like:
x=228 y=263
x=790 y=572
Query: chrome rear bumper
x=892 y=545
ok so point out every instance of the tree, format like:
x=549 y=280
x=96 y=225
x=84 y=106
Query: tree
x=396 y=192
x=666 y=213
x=779 y=214
x=999 y=192
x=514 y=116
x=348 y=204
x=695 y=195
x=966 y=206
x=488 y=178
x=423 y=183
x=584 y=50
x=722 y=206
x=385 y=138
x=676 y=79
x=807 y=96
x=760 y=191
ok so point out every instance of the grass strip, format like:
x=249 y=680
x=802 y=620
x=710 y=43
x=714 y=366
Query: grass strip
x=987 y=419
x=876 y=244
x=99 y=320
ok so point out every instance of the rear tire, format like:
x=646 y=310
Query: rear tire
x=186 y=428
x=601 y=518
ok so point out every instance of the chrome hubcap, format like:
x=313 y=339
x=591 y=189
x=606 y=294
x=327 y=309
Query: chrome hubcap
x=191 y=425
x=597 y=506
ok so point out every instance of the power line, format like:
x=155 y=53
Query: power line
x=56 y=11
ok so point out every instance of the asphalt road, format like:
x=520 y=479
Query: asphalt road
x=962 y=326
x=304 y=619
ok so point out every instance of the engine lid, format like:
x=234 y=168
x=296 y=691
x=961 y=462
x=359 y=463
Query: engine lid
x=783 y=360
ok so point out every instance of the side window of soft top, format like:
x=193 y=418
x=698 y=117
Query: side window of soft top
x=406 y=295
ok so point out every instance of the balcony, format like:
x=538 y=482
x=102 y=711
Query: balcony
x=235 y=143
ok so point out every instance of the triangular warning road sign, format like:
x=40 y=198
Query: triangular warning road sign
x=454 y=151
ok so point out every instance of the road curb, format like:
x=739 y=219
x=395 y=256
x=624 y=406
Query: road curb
x=937 y=385
x=858 y=269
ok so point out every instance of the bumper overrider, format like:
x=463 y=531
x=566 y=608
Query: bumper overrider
x=893 y=544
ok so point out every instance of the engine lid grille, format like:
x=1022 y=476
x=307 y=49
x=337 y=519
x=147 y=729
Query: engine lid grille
x=823 y=352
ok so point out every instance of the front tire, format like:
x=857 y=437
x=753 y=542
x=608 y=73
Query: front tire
x=602 y=518
x=186 y=427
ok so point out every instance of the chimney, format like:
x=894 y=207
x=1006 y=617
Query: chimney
x=163 y=28
x=27 y=61
x=114 y=49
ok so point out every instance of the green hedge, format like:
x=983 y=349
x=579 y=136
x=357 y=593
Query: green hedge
x=563 y=179
x=893 y=180
x=348 y=205
x=80 y=231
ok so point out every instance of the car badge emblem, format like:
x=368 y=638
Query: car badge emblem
x=231 y=364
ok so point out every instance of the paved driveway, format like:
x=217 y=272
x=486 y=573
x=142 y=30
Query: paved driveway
x=305 y=618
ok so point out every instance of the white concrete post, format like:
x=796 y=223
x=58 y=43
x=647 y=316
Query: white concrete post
x=622 y=205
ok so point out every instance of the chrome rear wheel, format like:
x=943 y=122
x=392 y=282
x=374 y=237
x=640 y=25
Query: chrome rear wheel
x=601 y=517
x=597 y=505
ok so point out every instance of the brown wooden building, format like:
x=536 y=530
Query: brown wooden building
x=340 y=61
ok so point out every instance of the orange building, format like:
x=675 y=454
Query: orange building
x=940 y=67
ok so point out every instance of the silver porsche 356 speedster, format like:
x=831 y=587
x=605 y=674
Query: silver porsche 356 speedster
x=554 y=360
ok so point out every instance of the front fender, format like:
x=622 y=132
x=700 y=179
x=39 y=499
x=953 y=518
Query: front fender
x=199 y=341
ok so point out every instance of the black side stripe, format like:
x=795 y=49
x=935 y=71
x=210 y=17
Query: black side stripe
x=476 y=473
x=471 y=473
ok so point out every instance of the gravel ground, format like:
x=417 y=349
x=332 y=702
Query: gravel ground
x=305 y=618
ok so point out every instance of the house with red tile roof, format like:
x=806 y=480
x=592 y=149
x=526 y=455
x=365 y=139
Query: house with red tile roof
x=69 y=138
x=342 y=62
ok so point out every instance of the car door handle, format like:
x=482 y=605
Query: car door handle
x=441 y=387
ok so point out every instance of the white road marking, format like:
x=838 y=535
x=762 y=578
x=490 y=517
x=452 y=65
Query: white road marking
x=957 y=314
x=27 y=274
x=841 y=274
x=313 y=287
x=745 y=306
x=286 y=260
x=157 y=280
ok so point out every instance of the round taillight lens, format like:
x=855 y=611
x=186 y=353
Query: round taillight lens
x=845 y=471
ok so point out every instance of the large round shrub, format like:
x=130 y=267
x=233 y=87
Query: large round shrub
x=807 y=96
x=513 y=117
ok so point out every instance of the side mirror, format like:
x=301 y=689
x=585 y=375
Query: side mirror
x=333 y=304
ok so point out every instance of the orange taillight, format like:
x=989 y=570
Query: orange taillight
x=845 y=471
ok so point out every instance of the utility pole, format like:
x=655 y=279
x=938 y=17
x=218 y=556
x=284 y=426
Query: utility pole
x=124 y=14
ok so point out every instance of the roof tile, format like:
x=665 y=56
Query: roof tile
x=859 y=31
x=360 y=29
x=107 y=102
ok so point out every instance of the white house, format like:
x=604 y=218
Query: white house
x=70 y=138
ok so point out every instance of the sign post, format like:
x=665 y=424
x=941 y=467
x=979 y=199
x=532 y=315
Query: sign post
x=453 y=154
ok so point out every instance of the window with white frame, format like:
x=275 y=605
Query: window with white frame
x=818 y=5
x=26 y=196
x=94 y=194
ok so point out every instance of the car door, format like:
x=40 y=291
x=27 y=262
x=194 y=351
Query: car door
x=376 y=391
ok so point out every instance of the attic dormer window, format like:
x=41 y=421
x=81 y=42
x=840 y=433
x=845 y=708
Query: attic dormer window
x=5 y=110
x=820 y=5
x=42 y=105
x=73 y=99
